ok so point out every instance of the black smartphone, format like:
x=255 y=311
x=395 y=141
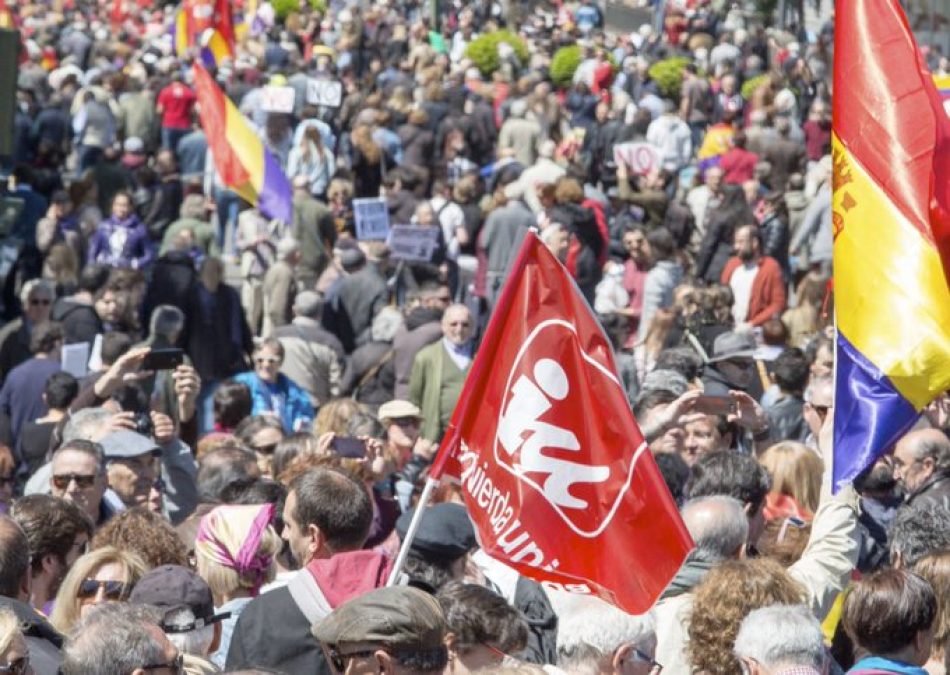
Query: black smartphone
x=347 y=446
x=163 y=359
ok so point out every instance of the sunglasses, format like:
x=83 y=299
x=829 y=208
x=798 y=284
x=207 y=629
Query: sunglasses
x=407 y=421
x=113 y=590
x=266 y=449
x=177 y=665
x=339 y=661
x=18 y=666
x=83 y=481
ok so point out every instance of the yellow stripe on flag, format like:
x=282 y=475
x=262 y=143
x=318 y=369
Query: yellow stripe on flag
x=892 y=298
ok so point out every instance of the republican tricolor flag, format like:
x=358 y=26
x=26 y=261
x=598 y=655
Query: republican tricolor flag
x=240 y=157
x=556 y=475
x=891 y=247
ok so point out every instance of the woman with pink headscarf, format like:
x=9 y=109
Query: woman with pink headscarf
x=235 y=550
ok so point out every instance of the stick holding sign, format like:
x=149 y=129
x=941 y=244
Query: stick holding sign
x=372 y=219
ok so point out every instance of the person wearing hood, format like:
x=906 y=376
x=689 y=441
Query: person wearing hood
x=327 y=518
x=121 y=240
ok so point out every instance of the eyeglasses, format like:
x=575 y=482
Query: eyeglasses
x=40 y=301
x=640 y=657
x=407 y=421
x=18 y=666
x=176 y=665
x=463 y=324
x=113 y=590
x=266 y=359
x=339 y=661
x=83 y=481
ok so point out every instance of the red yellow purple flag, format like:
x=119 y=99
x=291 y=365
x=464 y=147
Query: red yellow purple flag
x=891 y=248
x=240 y=157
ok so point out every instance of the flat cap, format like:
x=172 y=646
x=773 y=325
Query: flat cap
x=125 y=444
x=398 y=616
x=446 y=531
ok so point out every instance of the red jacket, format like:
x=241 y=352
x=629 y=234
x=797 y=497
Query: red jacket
x=767 y=299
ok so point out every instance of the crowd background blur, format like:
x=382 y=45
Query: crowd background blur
x=256 y=396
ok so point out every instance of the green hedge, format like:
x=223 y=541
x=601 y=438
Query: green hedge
x=282 y=8
x=564 y=64
x=668 y=75
x=483 y=50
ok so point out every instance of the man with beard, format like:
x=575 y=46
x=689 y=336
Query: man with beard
x=755 y=279
x=58 y=532
x=880 y=499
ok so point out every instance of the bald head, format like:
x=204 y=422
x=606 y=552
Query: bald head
x=14 y=560
x=457 y=325
x=920 y=455
x=718 y=525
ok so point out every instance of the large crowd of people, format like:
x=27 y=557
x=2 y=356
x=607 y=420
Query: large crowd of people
x=215 y=425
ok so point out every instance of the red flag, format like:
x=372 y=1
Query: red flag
x=555 y=472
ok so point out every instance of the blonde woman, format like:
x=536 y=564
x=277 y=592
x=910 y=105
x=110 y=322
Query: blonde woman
x=235 y=550
x=14 y=653
x=104 y=575
x=796 y=480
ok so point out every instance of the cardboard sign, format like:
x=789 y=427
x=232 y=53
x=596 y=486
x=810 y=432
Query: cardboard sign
x=277 y=99
x=325 y=92
x=640 y=158
x=413 y=244
x=372 y=219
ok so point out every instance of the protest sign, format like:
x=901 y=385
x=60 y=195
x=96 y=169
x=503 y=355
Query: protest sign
x=372 y=219
x=325 y=92
x=413 y=244
x=640 y=158
x=277 y=99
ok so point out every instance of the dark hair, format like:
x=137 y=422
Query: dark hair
x=650 y=399
x=45 y=335
x=232 y=403
x=271 y=343
x=289 y=449
x=729 y=473
x=92 y=278
x=14 y=556
x=477 y=616
x=248 y=429
x=884 y=611
x=421 y=660
x=51 y=526
x=220 y=467
x=675 y=472
x=89 y=448
x=114 y=345
x=919 y=530
x=336 y=503
x=260 y=491
x=683 y=360
x=60 y=390
x=662 y=244
x=790 y=369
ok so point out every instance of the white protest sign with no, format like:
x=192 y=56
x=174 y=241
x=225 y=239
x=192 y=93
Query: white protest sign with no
x=372 y=219
x=325 y=92
x=277 y=99
x=413 y=244
x=640 y=158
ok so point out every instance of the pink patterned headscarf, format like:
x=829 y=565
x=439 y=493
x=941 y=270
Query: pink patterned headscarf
x=231 y=537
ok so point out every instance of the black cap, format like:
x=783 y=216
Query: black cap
x=172 y=588
x=446 y=531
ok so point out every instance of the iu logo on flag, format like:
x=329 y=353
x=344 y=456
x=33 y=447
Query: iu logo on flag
x=553 y=468
x=540 y=430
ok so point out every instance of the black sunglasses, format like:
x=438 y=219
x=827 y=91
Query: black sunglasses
x=339 y=660
x=62 y=481
x=113 y=590
x=16 y=667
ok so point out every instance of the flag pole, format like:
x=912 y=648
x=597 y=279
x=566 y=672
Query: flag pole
x=452 y=438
